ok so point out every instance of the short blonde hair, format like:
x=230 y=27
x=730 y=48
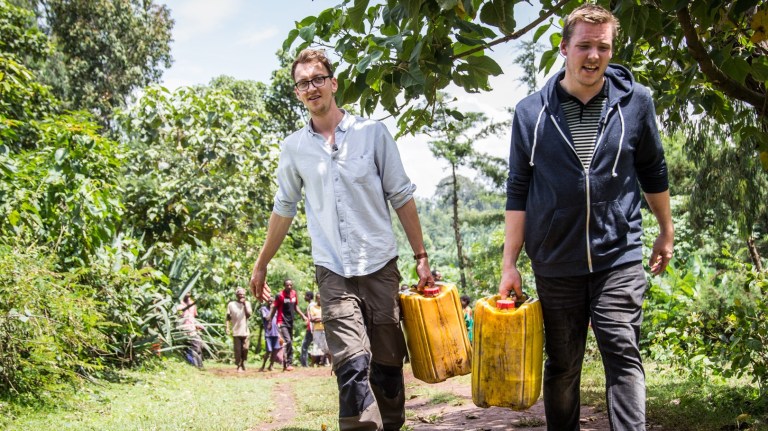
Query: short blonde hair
x=589 y=13
x=310 y=55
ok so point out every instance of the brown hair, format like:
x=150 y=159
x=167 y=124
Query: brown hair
x=310 y=55
x=589 y=13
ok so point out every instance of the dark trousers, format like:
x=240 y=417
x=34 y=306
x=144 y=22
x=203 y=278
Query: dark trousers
x=195 y=351
x=613 y=301
x=305 y=348
x=241 y=351
x=286 y=331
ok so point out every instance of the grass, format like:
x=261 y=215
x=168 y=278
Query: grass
x=179 y=397
x=317 y=403
x=678 y=400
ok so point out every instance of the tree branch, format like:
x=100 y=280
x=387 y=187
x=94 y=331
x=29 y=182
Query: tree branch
x=514 y=35
x=713 y=73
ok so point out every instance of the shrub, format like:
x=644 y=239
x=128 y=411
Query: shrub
x=710 y=321
x=49 y=326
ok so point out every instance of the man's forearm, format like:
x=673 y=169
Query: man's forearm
x=514 y=234
x=409 y=219
x=276 y=232
x=661 y=209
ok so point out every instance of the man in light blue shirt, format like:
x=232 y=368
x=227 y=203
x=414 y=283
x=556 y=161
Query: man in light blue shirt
x=349 y=168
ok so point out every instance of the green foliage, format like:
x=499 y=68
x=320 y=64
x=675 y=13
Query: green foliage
x=49 y=327
x=136 y=301
x=710 y=54
x=105 y=50
x=482 y=228
x=171 y=397
x=730 y=186
x=527 y=61
x=284 y=112
x=22 y=100
x=710 y=321
x=198 y=167
x=392 y=53
x=249 y=94
x=453 y=144
x=681 y=169
x=64 y=194
x=18 y=34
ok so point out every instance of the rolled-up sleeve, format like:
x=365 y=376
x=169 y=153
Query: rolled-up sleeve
x=289 y=185
x=398 y=188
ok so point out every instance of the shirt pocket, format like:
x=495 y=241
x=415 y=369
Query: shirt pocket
x=360 y=169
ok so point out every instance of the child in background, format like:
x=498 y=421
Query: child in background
x=468 y=319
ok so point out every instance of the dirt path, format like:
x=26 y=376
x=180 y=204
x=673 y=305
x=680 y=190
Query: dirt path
x=461 y=414
x=423 y=413
x=284 y=413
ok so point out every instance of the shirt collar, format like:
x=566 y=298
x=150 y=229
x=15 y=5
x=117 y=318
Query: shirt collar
x=563 y=95
x=344 y=124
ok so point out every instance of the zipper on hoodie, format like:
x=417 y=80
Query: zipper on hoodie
x=587 y=192
x=600 y=133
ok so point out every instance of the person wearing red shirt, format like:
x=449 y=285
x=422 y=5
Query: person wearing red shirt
x=286 y=307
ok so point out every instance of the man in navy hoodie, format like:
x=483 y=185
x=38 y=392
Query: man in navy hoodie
x=582 y=149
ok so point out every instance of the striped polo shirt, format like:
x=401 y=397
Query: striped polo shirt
x=583 y=120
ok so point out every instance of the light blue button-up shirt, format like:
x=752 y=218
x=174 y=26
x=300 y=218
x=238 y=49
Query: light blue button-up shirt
x=346 y=190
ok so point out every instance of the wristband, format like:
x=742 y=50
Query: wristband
x=420 y=255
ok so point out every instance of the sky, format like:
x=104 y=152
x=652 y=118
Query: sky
x=239 y=38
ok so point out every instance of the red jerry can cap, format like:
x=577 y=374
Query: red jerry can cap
x=431 y=291
x=505 y=304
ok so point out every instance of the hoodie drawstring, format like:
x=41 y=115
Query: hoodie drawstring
x=621 y=140
x=536 y=134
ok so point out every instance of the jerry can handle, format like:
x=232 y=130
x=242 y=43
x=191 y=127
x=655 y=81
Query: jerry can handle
x=521 y=301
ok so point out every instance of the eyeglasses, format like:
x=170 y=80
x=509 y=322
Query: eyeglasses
x=317 y=82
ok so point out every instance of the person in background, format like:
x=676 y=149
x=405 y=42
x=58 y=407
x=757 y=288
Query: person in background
x=309 y=299
x=190 y=328
x=272 y=343
x=315 y=314
x=468 y=319
x=348 y=171
x=286 y=306
x=238 y=312
x=582 y=149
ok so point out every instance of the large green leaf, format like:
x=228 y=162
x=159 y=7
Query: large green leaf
x=484 y=65
x=500 y=14
x=366 y=61
x=356 y=14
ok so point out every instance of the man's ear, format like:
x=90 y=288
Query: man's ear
x=563 y=50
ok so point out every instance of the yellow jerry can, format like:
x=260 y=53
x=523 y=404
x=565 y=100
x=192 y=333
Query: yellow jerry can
x=508 y=353
x=435 y=332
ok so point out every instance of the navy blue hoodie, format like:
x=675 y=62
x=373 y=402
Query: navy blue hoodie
x=580 y=221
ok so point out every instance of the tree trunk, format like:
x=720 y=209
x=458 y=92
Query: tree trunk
x=754 y=253
x=456 y=231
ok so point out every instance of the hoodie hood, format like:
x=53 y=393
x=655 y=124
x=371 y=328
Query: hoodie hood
x=620 y=85
x=581 y=220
